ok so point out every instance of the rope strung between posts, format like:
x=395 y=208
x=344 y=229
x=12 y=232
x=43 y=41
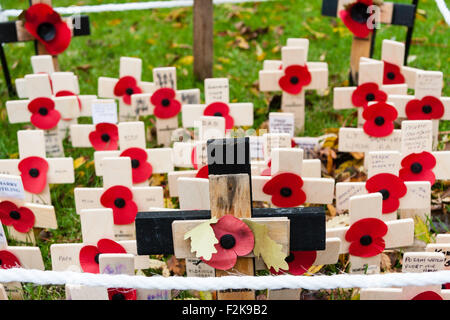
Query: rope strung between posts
x=223 y=283
x=114 y=7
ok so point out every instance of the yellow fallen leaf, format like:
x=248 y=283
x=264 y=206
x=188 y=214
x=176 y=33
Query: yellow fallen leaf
x=270 y=251
x=203 y=239
x=188 y=60
x=78 y=162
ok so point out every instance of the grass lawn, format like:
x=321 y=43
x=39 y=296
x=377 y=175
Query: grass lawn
x=164 y=38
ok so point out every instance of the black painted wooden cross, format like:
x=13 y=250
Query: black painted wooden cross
x=359 y=12
x=14 y=31
x=300 y=229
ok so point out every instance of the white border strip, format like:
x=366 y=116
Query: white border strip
x=223 y=283
x=114 y=7
x=444 y=10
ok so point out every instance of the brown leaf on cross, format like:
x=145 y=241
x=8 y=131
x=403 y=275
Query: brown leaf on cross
x=177 y=267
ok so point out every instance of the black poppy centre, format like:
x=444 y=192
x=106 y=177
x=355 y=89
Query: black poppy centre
x=129 y=91
x=34 y=173
x=427 y=109
x=118 y=296
x=416 y=167
x=96 y=258
x=359 y=13
x=294 y=80
x=385 y=193
x=218 y=114
x=165 y=102
x=105 y=137
x=135 y=163
x=289 y=258
x=390 y=75
x=365 y=240
x=370 y=97
x=286 y=192
x=46 y=31
x=379 y=121
x=227 y=241
x=119 y=203
x=15 y=215
x=43 y=111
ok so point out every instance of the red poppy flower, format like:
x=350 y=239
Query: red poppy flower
x=8 y=260
x=367 y=92
x=427 y=108
x=391 y=188
x=21 y=218
x=220 y=109
x=105 y=137
x=46 y=25
x=295 y=78
x=235 y=239
x=121 y=294
x=89 y=255
x=43 y=113
x=392 y=74
x=299 y=262
x=141 y=169
x=286 y=190
x=166 y=106
x=194 y=158
x=67 y=93
x=120 y=200
x=125 y=87
x=33 y=171
x=355 y=18
x=428 y=295
x=366 y=237
x=418 y=167
x=379 y=119
x=267 y=172
x=203 y=172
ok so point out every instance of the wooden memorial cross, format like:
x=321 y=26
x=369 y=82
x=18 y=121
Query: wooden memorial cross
x=426 y=103
x=230 y=192
x=44 y=111
x=119 y=194
x=286 y=186
x=413 y=262
x=217 y=103
x=164 y=102
x=368 y=235
x=15 y=31
x=293 y=75
x=129 y=83
x=203 y=36
x=362 y=20
x=144 y=162
x=383 y=171
x=37 y=171
x=370 y=89
x=24 y=257
x=19 y=217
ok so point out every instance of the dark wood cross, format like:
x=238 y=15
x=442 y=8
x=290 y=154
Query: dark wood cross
x=390 y=13
x=14 y=31
x=230 y=193
x=203 y=36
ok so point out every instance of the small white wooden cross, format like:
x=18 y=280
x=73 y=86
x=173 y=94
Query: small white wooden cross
x=217 y=103
x=279 y=75
x=367 y=231
x=413 y=262
x=132 y=137
x=119 y=194
x=426 y=103
x=290 y=160
x=370 y=89
x=129 y=83
x=164 y=102
x=442 y=245
x=32 y=161
x=26 y=257
x=18 y=212
x=44 y=111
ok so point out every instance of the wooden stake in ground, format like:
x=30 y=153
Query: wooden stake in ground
x=293 y=75
x=363 y=20
x=15 y=31
x=413 y=262
x=368 y=235
x=37 y=171
x=230 y=194
x=203 y=35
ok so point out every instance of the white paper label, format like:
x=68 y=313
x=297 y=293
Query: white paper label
x=11 y=188
x=197 y=268
x=309 y=146
x=256 y=148
x=281 y=124
x=104 y=112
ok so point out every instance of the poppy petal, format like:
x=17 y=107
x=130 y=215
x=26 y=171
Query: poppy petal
x=141 y=169
x=203 y=172
x=87 y=259
x=26 y=221
x=9 y=260
x=428 y=295
x=34 y=174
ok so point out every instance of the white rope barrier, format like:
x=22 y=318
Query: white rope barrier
x=223 y=283
x=114 y=7
x=444 y=10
